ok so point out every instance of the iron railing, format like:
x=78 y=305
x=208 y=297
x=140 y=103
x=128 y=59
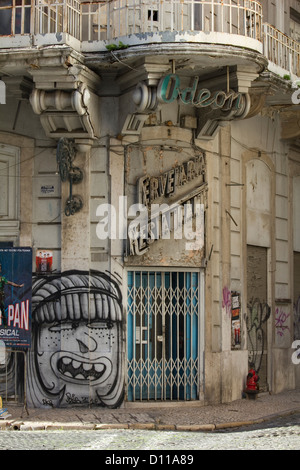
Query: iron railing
x=106 y=21
x=57 y=16
x=281 y=49
x=21 y=17
x=110 y=20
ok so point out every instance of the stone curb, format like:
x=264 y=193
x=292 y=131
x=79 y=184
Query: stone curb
x=238 y=424
x=15 y=425
x=101 y=426
x=195 y=427
x=69 y=427
x=165 y=427
x=47 y=426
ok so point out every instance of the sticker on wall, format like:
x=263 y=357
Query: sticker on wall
x=235 y=320
x=44 y=259
x=47 y=189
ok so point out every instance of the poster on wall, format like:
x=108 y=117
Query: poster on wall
x=15 y=297
x=235 y=320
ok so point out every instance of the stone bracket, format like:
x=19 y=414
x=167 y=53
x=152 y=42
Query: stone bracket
x=65 y=98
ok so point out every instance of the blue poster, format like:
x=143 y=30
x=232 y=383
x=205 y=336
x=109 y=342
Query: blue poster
x=15 y=296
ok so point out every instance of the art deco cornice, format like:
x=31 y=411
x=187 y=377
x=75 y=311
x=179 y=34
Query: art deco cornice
x=228 y=82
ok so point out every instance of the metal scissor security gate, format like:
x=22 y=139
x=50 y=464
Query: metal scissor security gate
x=163 y=335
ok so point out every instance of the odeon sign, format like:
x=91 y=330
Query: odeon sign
x=169 y=89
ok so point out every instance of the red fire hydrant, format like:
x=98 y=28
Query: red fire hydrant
x=252 y=380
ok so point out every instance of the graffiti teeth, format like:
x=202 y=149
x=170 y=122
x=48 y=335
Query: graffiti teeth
x=80 y=377
x=76 y=364
x=87 y=366
x=66 y=360
x=80 y=370
x=99 y=367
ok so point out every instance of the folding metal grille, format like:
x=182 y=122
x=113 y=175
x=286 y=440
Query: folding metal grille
x=163 y=335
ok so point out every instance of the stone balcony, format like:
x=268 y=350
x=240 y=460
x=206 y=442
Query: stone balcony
x=102 y=26
x=76 y=49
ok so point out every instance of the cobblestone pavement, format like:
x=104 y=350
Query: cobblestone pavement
x=181 y=416
x=269 y=422
x=279 y=434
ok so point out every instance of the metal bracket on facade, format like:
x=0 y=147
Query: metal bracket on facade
x=65 y=154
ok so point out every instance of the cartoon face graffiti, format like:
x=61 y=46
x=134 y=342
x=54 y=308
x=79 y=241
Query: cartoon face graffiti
x=77 y=328
x=83 y=358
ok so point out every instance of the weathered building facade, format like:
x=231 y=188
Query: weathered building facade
x=153 y=149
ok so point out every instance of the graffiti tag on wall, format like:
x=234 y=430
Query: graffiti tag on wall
x=281 y=321
x=226 y=300
x=258 y=314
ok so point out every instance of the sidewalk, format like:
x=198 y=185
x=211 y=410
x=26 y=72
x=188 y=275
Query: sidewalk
x=176 y=416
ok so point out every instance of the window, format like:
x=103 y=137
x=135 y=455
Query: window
x=295 y=24
x=15 y=17
x=153 y=15
x=9 y=192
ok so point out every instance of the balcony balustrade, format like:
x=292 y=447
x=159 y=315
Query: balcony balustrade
x=282 y=51
x=91 y=26
x=101 y=20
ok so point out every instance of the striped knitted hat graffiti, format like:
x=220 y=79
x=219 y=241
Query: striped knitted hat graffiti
x=76 y=296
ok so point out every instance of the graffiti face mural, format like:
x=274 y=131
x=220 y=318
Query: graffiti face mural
x=76 y=329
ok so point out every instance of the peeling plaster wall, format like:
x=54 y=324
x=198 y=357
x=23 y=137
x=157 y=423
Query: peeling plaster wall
x=47 y=204
x=38 y=183
x=268 y=223
x=260 y=206
x=252 y=199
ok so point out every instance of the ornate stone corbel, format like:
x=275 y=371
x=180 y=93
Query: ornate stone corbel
x=59 y=100
x=145 y=98
x=65 y=99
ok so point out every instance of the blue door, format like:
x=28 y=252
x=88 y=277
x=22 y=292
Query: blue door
x=163 y=335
